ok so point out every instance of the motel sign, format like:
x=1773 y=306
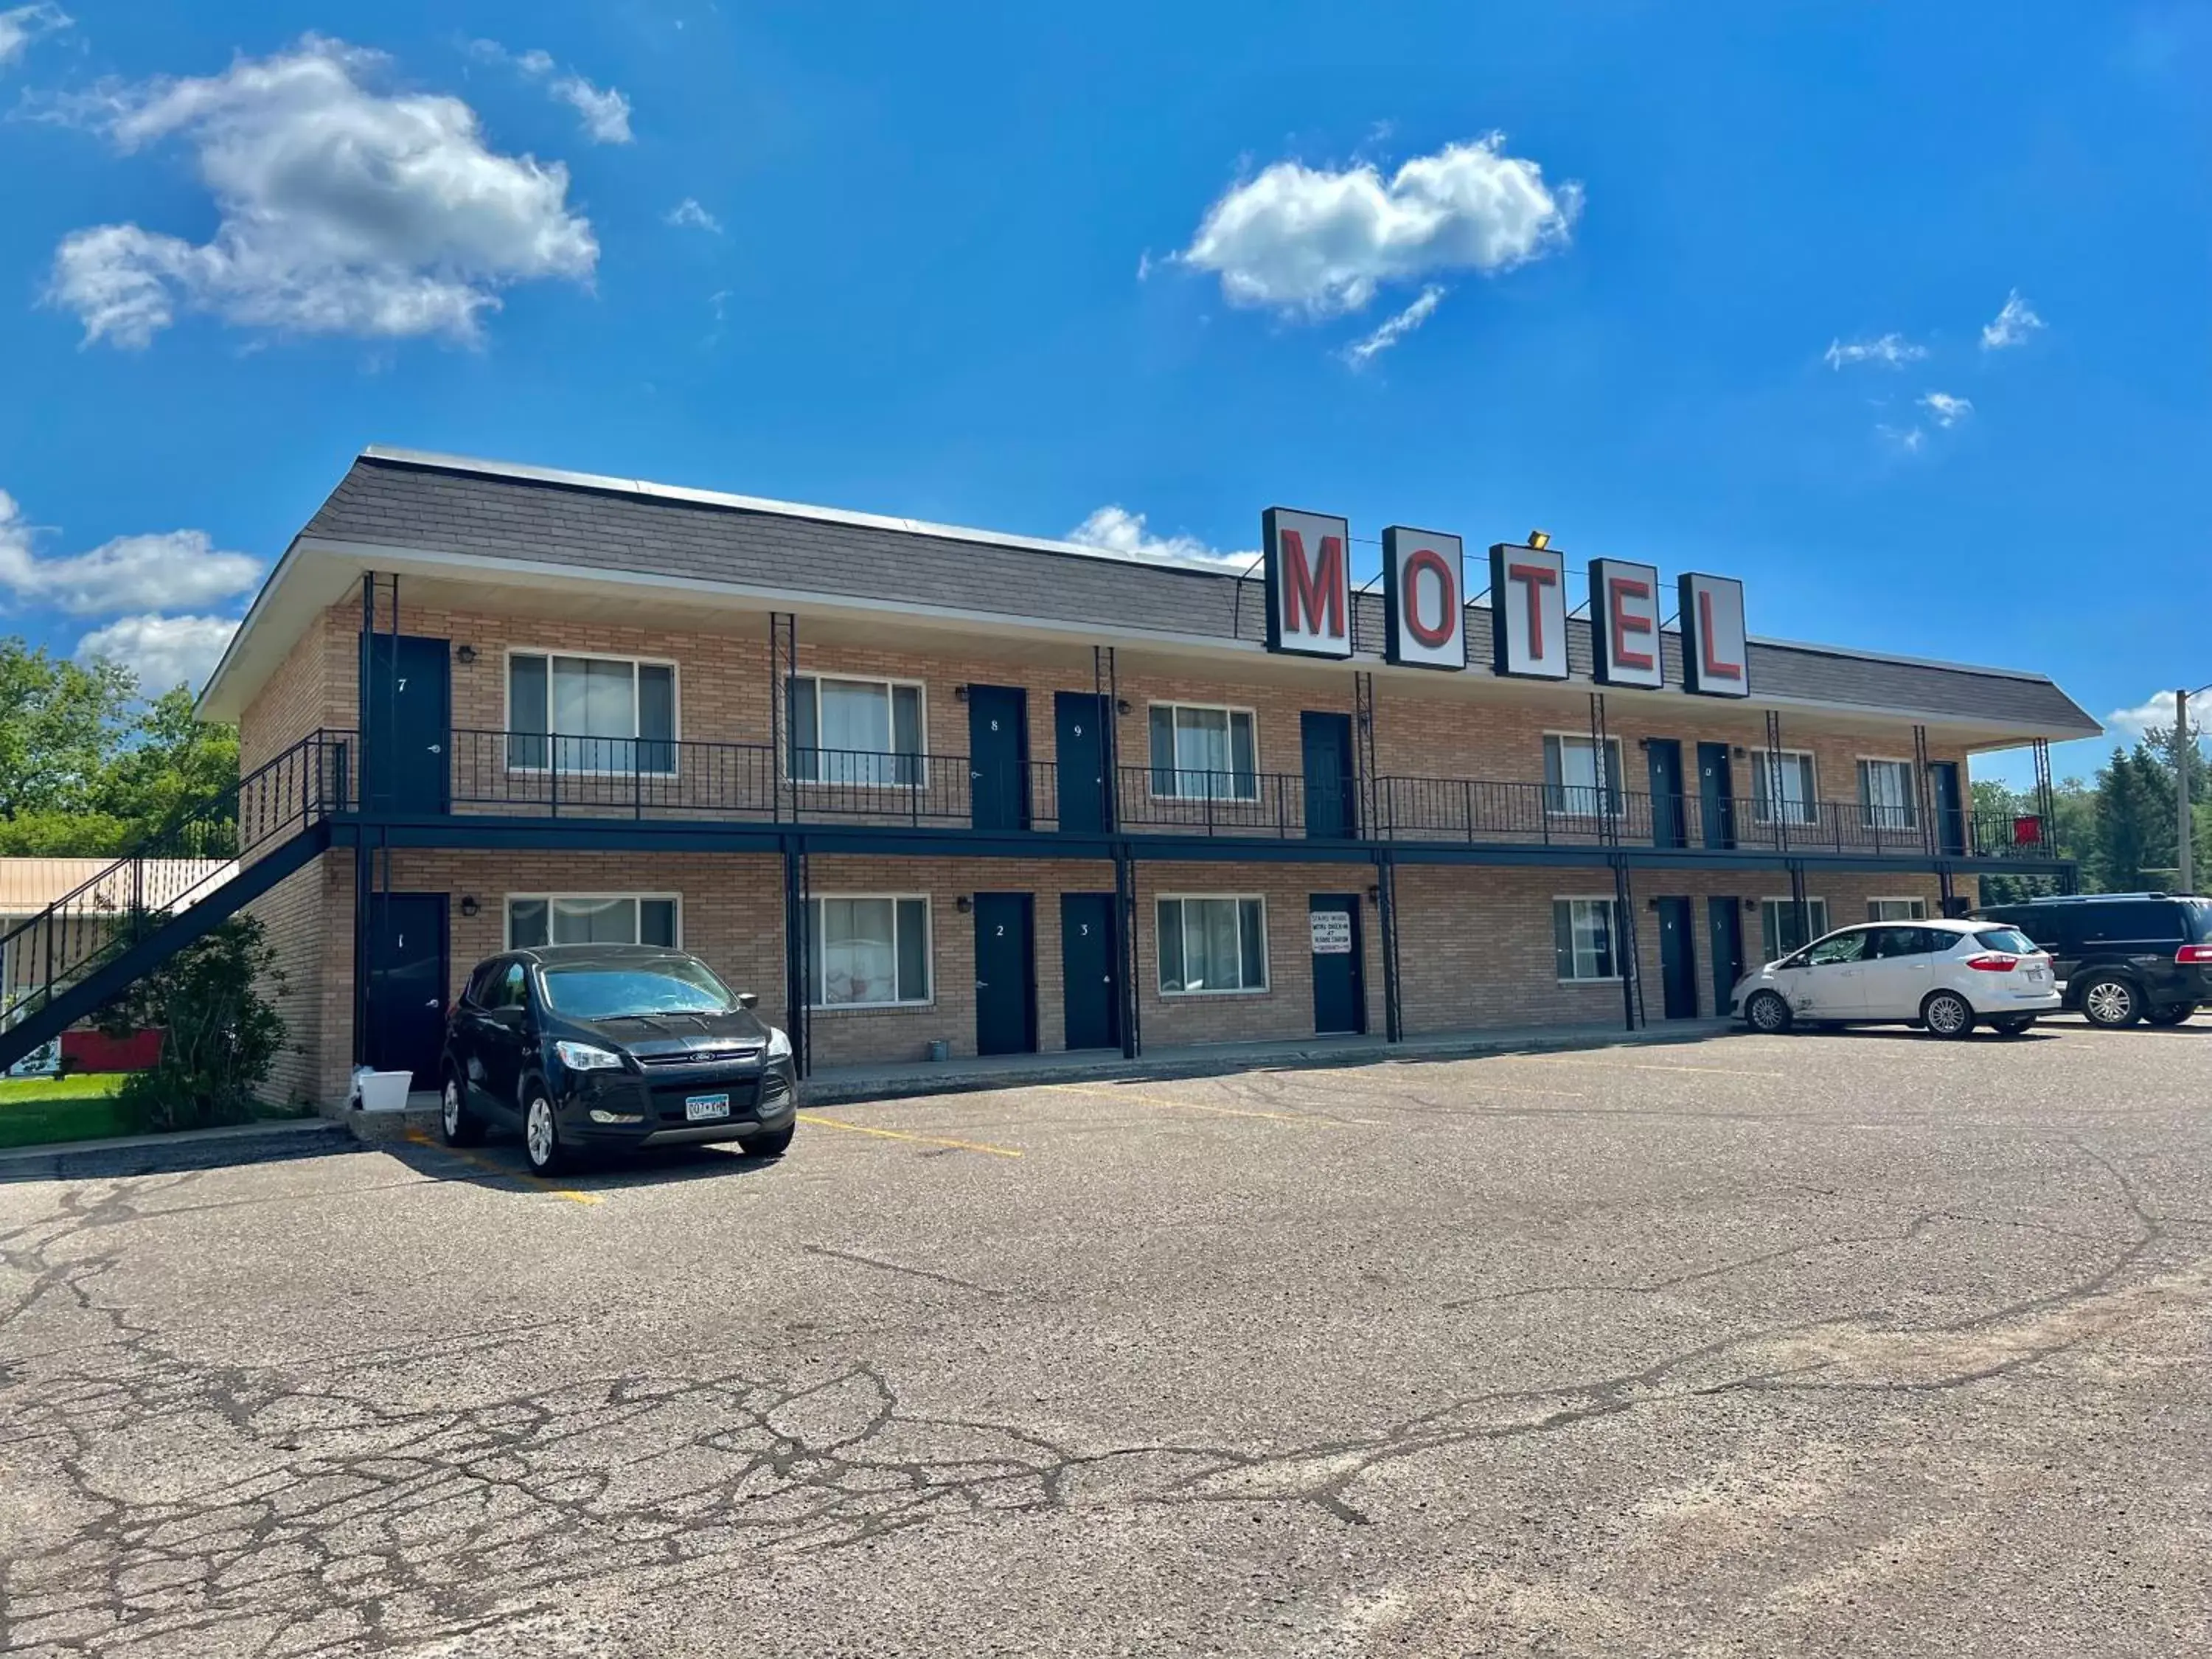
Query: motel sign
x=1308 y=560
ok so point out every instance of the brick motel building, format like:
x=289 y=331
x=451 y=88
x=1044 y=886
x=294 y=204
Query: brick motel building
x=917 y=785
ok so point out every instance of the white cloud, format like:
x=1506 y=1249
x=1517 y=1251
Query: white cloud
x=22 y=25
x=1894 y=350
x=1362 y=352
x=688 y=214
x=2012 y=325
x=176 y=568
x=1311 y=242
x=1907 y=437
x=164 y=652
x=2155 y=711
x=341 y=210
x=1946 y=410
x=606 y=113
x=1117 y=530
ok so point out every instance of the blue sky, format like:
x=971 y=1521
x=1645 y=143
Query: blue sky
x=1014 y=265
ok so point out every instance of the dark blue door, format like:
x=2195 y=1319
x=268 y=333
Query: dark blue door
x=1090 y=996
x=406 y=721
x=1080 y=741
x=1339 y=992
x=1005 y=974
x=407 y=984
x=1724 y=942
x=998 y=756
x=1678 y=958
x=1950 y=811
x=1668 y=828
x=1331 y=814
x=1715 y=794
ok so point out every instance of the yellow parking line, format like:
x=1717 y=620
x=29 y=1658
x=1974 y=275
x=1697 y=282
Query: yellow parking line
x=901 y=1134
x=489 y=1167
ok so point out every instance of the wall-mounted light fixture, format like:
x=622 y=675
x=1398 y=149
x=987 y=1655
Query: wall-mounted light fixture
x=469 y=905
x=964 y=904
x=1738 y=751
x=1751 y=904
x=1375 y=894
x=959 y=693
x=466 y=655
x=1121 y=705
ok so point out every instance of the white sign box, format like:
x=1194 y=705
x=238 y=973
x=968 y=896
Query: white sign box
x=1308 y=565
x=1332 y=932
x=1624 y=603
x=1528 y=612
x=1715 y=657
x=1424 y=599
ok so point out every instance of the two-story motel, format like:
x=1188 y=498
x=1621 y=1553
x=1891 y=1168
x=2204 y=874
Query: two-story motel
x=916 y=784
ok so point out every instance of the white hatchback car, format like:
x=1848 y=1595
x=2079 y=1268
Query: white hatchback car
x=1945 y=975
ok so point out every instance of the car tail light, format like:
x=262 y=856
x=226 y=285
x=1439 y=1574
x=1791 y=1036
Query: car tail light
x=1994 y=962
x=2195 y=956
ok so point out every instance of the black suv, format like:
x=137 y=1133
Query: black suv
x=585 y=1046
x=2123 y=957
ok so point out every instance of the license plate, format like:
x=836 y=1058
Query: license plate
x=2039 y=975
x=699 y=1108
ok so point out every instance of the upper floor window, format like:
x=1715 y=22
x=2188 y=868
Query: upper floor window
x=856 y=731
x=589 y=713
x=1204 y=753
x=1886 y=797
x=1783 y=787
x=1579 y=777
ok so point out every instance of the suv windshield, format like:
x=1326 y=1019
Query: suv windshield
x=673 y=987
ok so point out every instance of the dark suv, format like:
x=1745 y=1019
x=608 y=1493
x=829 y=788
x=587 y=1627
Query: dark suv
x=2123 y=957
x=585 y=1046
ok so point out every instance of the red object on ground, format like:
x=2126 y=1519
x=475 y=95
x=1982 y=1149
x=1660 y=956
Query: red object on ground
x=2027 y=831
x=91 y=1051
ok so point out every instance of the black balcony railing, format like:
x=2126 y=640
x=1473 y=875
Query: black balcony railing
x=563 y=776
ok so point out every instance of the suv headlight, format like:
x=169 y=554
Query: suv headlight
x=583 y=1057
x=779 y=1044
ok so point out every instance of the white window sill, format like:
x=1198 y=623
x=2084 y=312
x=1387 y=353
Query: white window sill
x=1237 y=991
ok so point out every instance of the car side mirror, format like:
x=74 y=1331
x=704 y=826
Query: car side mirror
x=748 y=1000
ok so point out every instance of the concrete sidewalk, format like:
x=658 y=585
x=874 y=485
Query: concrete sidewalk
x=184 y=1149
x=835 y=1085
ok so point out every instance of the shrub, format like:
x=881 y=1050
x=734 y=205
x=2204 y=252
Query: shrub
x=221 y=1035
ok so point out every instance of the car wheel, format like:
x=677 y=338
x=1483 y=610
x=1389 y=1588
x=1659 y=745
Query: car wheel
x=2012 y=1024
x=2175 y=1014
x=541 y=1131
x=773 y=1144
x=2110 y=1001
x=1948 y=1014
x=1766 y=1011
x=461 y=1126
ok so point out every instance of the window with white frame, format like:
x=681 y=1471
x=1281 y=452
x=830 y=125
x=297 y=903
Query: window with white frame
x=848 y=731
x=1897 y=910
x=1204 y=753
x=1583 y=937
x=581 y=713
x=1212 y=943
x=1578 y=775
x=534 y=919
x=1778 y=931
x=1887 y=800
x=868 y=950
x=1783 y=786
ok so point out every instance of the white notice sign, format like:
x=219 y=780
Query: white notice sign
x=1332 y=932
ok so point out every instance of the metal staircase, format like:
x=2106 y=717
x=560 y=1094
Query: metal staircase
x=71 y=958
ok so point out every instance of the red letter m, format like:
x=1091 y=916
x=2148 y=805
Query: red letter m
x=1313 y=594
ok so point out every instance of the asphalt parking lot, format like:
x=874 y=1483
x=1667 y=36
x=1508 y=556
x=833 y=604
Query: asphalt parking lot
x=1866 y=1344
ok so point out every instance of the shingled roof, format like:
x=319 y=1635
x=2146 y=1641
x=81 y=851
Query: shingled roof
x=442 y=504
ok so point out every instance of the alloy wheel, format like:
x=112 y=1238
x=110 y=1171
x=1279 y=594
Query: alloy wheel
x=2109 y=1002
x=1947 y=1015
x=537 y=1131
x=1768 y=1012
x=453 y=1109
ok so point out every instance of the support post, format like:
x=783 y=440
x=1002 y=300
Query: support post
x=1125 y=908
x=1798 y=904
x=1386 y=888
x=1778 y=808
x=1363 y=691
x=798 y=942
x=1923 y=795
x=2182 y=746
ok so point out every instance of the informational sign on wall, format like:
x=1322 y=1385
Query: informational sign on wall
x=1332 y=932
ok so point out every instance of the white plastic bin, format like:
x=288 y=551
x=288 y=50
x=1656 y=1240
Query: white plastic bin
x=385 y=1091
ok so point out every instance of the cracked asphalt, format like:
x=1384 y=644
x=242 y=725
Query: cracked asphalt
x=1865 y=1345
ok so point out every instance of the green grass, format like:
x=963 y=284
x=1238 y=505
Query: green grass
x=35 y=1110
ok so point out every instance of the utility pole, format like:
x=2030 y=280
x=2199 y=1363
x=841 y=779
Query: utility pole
x=2182 y=748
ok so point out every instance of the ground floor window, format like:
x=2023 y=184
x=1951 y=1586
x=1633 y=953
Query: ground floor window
x=535 y=918
x=1212 y=944
x=869 y=950
x=1897 y=910
x=1582 y=938
x=1778 y=931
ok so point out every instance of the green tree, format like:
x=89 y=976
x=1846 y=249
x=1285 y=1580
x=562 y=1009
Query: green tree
x=2131 y=845
x=220 y=1033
